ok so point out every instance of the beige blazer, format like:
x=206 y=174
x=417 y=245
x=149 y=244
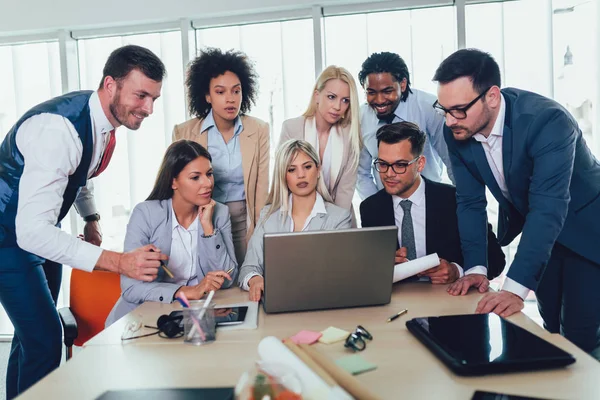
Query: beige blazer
x=254 y=144
x=342 y=189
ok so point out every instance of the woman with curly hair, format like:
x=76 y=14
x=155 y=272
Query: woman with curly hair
x=222 y=87
x=331 y=124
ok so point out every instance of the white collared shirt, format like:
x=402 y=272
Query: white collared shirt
x=492 y=146
x=52 y=151
x=184 y=253
x=418 y=212
x=318 y=208
x=326 y=161
x=418 y=108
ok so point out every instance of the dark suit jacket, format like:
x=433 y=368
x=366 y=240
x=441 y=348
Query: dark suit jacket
x=441 y=225
x=553 y=180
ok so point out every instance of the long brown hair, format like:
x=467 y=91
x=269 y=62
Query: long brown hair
x=178 y=155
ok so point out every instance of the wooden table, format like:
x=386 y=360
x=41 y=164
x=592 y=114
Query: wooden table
x=406 y=369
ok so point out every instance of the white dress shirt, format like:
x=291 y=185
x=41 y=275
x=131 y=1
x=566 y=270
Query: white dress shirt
x=418 y=109
x=183 y=259
x=492 y=146
x=418 y=213
x=52 y=151
x=318 y=208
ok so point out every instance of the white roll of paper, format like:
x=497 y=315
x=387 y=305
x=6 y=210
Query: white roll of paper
x=413 y=267
x=270 y=349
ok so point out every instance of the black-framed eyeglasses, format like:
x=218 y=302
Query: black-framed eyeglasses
x=397 y=167
x=458 y=112
x=356 y=340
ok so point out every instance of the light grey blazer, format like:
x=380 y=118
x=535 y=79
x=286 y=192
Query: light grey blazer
x=336 y=218
x=151 y=222
x=342 y=190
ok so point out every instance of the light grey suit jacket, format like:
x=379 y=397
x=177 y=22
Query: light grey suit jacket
x=336 y=218
x=151 y=222
x=342 y=190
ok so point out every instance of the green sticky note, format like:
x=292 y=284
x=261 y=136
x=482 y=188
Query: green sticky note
x=355 y=364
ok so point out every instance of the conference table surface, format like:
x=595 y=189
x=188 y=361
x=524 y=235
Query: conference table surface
x=405 y=368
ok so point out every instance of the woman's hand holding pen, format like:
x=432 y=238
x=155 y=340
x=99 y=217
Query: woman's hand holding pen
x=212 y=281
x=205 y=215
x=257 y=285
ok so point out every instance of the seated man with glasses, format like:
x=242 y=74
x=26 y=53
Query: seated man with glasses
x=424 y=211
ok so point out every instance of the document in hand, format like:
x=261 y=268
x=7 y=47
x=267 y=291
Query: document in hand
x=413 y=267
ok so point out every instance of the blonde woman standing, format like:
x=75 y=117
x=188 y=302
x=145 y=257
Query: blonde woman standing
x=331 y=124
x=298 y=201
x=222 y=87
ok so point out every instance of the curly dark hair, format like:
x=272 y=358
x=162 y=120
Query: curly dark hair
x=211 y=63
x=386 y=62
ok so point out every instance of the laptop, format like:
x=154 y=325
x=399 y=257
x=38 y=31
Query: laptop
x=320 y=270
x=481 y=344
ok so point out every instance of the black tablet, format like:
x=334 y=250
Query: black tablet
x=480 y=344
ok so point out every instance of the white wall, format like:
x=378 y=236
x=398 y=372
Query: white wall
x=22 y=17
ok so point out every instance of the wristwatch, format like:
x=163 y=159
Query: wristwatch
x=91 y=218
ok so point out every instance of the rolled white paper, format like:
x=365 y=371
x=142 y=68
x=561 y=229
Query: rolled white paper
x=413 y=267
x=271 y=349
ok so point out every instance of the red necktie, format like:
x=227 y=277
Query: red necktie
x=108 y=152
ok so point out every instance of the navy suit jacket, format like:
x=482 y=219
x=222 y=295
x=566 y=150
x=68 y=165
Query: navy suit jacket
x=553 y=180
x=441 y=226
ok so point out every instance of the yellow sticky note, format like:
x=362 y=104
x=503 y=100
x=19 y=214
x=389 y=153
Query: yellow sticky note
x=332 y=335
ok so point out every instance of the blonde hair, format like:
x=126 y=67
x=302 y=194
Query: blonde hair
x=279 y=193
x=352 y=116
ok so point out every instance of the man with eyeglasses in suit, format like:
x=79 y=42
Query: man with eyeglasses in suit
x=530 y=153
x=424 y=211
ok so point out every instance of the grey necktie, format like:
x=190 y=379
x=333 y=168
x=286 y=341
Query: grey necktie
x=408 y=231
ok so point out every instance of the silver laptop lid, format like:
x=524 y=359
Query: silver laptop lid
x=329 y=269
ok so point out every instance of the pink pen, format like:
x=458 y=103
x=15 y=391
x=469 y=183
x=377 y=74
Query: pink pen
x=186 y=303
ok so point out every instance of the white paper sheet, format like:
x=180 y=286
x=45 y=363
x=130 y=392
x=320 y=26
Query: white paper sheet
x=413 y=267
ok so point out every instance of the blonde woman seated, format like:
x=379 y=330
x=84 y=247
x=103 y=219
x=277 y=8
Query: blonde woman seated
x=332 y=125
x=180 y=219
x=298 y=201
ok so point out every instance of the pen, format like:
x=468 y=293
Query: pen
x=230 y=270
x=393 y=317
x=164 y=266
x=196 y=326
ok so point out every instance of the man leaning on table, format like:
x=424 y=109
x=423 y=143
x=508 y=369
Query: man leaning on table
x=424 y=211
x=530 y=153
x=46 y=161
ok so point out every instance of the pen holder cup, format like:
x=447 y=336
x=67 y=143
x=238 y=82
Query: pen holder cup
x=199 y=325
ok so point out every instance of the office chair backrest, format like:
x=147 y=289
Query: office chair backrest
x=92 y=297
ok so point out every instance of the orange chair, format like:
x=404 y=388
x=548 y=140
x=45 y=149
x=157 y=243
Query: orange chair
x=92 y=297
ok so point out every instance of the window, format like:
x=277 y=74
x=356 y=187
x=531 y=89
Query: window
x=423 y=38
x=132 y=171
x=498 y=28
x=31 y=75
x=284 y=60
x=575 y=63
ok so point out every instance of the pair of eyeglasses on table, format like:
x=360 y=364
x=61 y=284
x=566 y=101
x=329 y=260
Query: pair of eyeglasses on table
x=356 y=340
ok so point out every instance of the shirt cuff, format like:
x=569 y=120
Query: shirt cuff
x=245 y=285
x=86 y=257
x=515 y=287
x=478 y=269
x=461 y=273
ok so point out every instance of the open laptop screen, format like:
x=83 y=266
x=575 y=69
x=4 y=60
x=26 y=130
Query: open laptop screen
x=482 y=344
